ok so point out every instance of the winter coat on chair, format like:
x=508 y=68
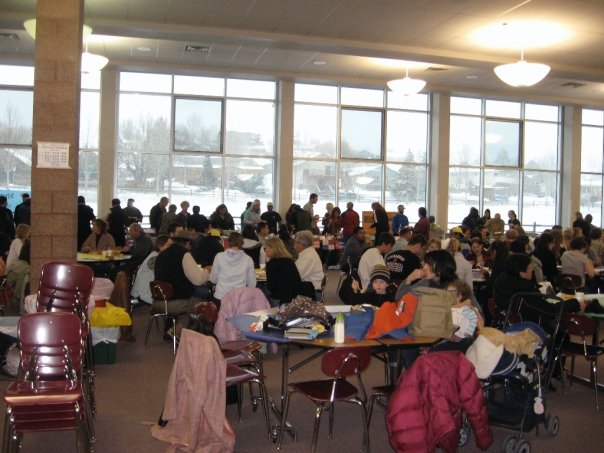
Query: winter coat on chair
x=425 y=411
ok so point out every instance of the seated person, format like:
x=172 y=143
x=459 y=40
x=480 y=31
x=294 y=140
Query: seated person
x=517 y=278
x=308 y=263
x=17 y=274
x=206 y=247
x=401 y=263
x=373 y=256
x=141 y=246
x=146 y=271
x=21 y=236
x=176 y=266
x=252 y=246
x=353 y=249
x=576 y=262
x=232 y=268
x=379 y=291
x=99 y=239
x=282 y=277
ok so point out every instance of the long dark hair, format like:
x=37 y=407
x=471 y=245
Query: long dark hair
x=443 y=265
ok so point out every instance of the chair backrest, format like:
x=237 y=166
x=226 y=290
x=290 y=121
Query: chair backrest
x=568 y=281
x=46 y=340
x=345 y=361
x=161 y=290
x=65 y=287
x=579 y=325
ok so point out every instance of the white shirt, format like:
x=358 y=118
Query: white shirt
x=14 y=252
x=464 y=269
x=368 y=261
x=310 y=267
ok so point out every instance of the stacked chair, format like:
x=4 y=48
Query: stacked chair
x=50 y=392
x=66 y=288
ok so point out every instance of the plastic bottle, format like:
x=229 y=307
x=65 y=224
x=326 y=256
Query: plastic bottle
x=339 y=329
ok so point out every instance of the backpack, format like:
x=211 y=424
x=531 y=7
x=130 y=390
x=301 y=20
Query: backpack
x=433 y=312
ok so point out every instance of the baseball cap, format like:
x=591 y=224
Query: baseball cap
x=457 y=230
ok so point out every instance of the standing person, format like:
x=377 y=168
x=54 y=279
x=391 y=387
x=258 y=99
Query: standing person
x=7 y=222
x=373 y=256
x=85 y=216
x=380 y=221
x=309 y=207
x=423 y=224
x=472 y=218
x=23 y=215
x=273 y=218
x=485 y=217
x=282 y=276
x=221 y=219
x=252 y=215
x=349 y=220
x=183 y=216
x=133 y=214
x=512 y=219
x=326 y=216
x=197 y=221
x=117 y=223
x=400 y=220
x=156 y=213
x=232 y=268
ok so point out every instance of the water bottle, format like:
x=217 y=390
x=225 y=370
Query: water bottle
x=339 y=329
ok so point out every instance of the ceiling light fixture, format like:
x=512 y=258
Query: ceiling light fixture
x=90 y=62
x=407 y=86
x=522 y=73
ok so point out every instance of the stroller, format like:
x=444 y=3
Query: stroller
x=515 y=392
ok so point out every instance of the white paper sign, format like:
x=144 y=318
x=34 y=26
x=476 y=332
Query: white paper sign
x=53 y=155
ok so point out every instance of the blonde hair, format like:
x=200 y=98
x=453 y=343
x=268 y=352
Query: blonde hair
x=434 y=241
x=454 y=245
x=278 y=247
x=22 y=231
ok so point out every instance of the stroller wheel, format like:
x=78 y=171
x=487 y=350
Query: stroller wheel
x=508 y=444
x=464 y=435
x=553 y=425
x=523 y=446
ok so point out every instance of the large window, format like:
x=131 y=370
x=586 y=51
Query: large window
x=504 y=156
x=360 y=145
x=206 y=140
x=592 y=170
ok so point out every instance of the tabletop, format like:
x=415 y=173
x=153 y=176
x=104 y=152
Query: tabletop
x=101 y=258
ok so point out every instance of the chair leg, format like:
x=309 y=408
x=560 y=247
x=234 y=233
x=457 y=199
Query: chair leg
x=594 y=370
x=7 y=435
x=149 y=328
x=265 y=410
x=562 y=374
x=572 y=371
x=174 y=339
x=239 y=401
x=284 y=419
x=332 y=409
x=315 y=432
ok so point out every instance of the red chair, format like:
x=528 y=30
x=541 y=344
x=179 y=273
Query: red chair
x=577 y=325
x=66 y=287
x=49 y=393
x=338 y=363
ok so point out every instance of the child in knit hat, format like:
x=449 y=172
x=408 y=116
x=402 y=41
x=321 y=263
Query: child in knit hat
x=379 y=290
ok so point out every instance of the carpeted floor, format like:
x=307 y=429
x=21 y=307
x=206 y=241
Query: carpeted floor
x=130 y=396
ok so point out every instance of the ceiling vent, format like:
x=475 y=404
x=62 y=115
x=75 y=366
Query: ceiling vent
x=10 y=36
x=436 y=69
x=572 y=85
x=197 y=49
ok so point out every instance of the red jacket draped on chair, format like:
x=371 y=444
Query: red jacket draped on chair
x=425 y=411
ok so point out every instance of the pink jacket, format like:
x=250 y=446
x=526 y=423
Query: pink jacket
x=195 y=405
x=425 y=411
x=237 y=302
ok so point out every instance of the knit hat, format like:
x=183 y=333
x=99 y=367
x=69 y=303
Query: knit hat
x=380 y=271
x=457 y=230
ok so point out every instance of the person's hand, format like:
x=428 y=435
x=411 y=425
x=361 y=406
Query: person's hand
x=415 y=275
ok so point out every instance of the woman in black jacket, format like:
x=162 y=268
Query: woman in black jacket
x=282 y=277
x=544 y=250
